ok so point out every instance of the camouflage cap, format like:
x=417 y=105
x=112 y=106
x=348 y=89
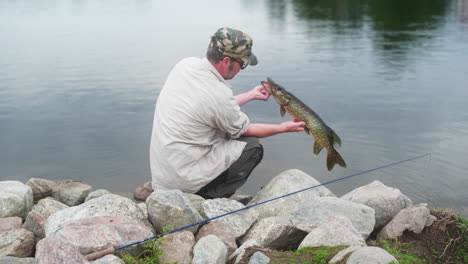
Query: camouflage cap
x=234 y=43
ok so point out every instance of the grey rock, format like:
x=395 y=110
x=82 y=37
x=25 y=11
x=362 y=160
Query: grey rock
x=171 y=208
x=317 y=212
x=10 y=223
x=35 y=221
x=41 y=188
x=239 y=253
x=337 y=231
x=374 y=255
x=259 y=258
x=71 y=193
x=287 y=182
x=386 y=201
x=96 y=194
x=340 y=256
x=209 y=250
x=221 y=230
x=197 y=201
x=177 y=247
x=106 y=205
x=16 y=199
x=239 y=222
x=275 y=232
x=413 y=219
x=15 y=260
x=241 y=197
x=109 y=259
x=16 y=243
x=144 y=208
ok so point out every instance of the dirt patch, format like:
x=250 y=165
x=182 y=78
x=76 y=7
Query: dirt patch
x=444 y=242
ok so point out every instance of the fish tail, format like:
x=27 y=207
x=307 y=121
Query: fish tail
x=333 y=158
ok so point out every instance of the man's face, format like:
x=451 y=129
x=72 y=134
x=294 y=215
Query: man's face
x=233 y=68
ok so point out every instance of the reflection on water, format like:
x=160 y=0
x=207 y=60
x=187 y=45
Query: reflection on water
x=78 y=82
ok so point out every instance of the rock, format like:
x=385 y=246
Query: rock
x=241 y=198
x=259 y=258
x=10 y=223
x=238 y=222
x=209 y=249
x=35 y=221
x=15 y=260
x=235 y=257
x=106 y=205
x=386 y=201
x=177 y=247
x=41 y=188
x=197 y=201
x=171 y=208
x=109 y=259
x=413 y=219
x=221 y=230
x=96 y=194
x=337 y=231
x=275 y=232
x=285 y=183
x=340 y=256
x=16 y=199
x=71 y=193
x=144 y=208
x=373 y=255
x=97 y=233
x=53 y=250
x=16 y=243
x=142 y=193
x=317 y=212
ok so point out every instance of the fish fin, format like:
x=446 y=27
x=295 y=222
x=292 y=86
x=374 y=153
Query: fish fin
x=333 y=158
x=317 y=148
x=282 y=111
x=335 y=139
x=306 y=129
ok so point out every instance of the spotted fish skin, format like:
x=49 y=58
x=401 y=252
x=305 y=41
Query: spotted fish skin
x=324 y=136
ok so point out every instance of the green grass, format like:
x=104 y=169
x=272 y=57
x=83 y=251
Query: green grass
x=307 y=255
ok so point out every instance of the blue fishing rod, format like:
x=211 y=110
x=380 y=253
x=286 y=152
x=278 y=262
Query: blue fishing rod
x=112 y=250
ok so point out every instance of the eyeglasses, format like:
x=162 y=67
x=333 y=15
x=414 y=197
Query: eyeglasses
x=242 y=64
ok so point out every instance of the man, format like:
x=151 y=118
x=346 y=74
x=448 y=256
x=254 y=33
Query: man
x=201 y=142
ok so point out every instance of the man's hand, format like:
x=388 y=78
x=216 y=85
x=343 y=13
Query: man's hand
x=294 y=125
x=259 y=93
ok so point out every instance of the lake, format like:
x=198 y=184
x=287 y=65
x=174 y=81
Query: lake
x=79 y=81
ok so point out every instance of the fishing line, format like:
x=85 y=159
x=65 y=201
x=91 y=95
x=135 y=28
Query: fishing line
x=112 y=250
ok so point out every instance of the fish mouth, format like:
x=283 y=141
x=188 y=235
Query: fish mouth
x=267 y=86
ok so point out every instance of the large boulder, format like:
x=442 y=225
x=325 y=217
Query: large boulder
x=221 y=230
x=71 y=193
x=106 y=205
x=54 y=250
x=15 y=260
x=285 y=183
x=238 y=222
x=386 y=201
x=237 y=256
x=35 y=221
x=413 y=219
x=97 y=233
x=16 y=199
x=108 y=259
x=371 y=255
x=177 y=247
x=41 y=188
x=209 y=249
x=318 y=211
x=16 y=243
x=275 y=232
x=171 y=208
x=337 y=231
x=96 y=194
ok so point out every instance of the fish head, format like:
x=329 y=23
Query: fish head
x=278 y=92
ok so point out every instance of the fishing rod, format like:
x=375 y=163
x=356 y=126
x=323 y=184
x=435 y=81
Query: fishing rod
x=112 y=250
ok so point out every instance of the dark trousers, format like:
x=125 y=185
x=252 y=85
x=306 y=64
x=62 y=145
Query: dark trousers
x=226 y=184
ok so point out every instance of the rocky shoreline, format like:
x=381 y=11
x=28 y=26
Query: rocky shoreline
x=61 y=222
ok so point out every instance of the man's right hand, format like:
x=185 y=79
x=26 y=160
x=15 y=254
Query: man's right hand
x=294 y=125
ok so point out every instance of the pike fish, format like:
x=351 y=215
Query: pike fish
x=324 y=136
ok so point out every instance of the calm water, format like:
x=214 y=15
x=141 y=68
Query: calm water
x=79 y=79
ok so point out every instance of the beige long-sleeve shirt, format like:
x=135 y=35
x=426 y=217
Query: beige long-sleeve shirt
x=195 y=125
